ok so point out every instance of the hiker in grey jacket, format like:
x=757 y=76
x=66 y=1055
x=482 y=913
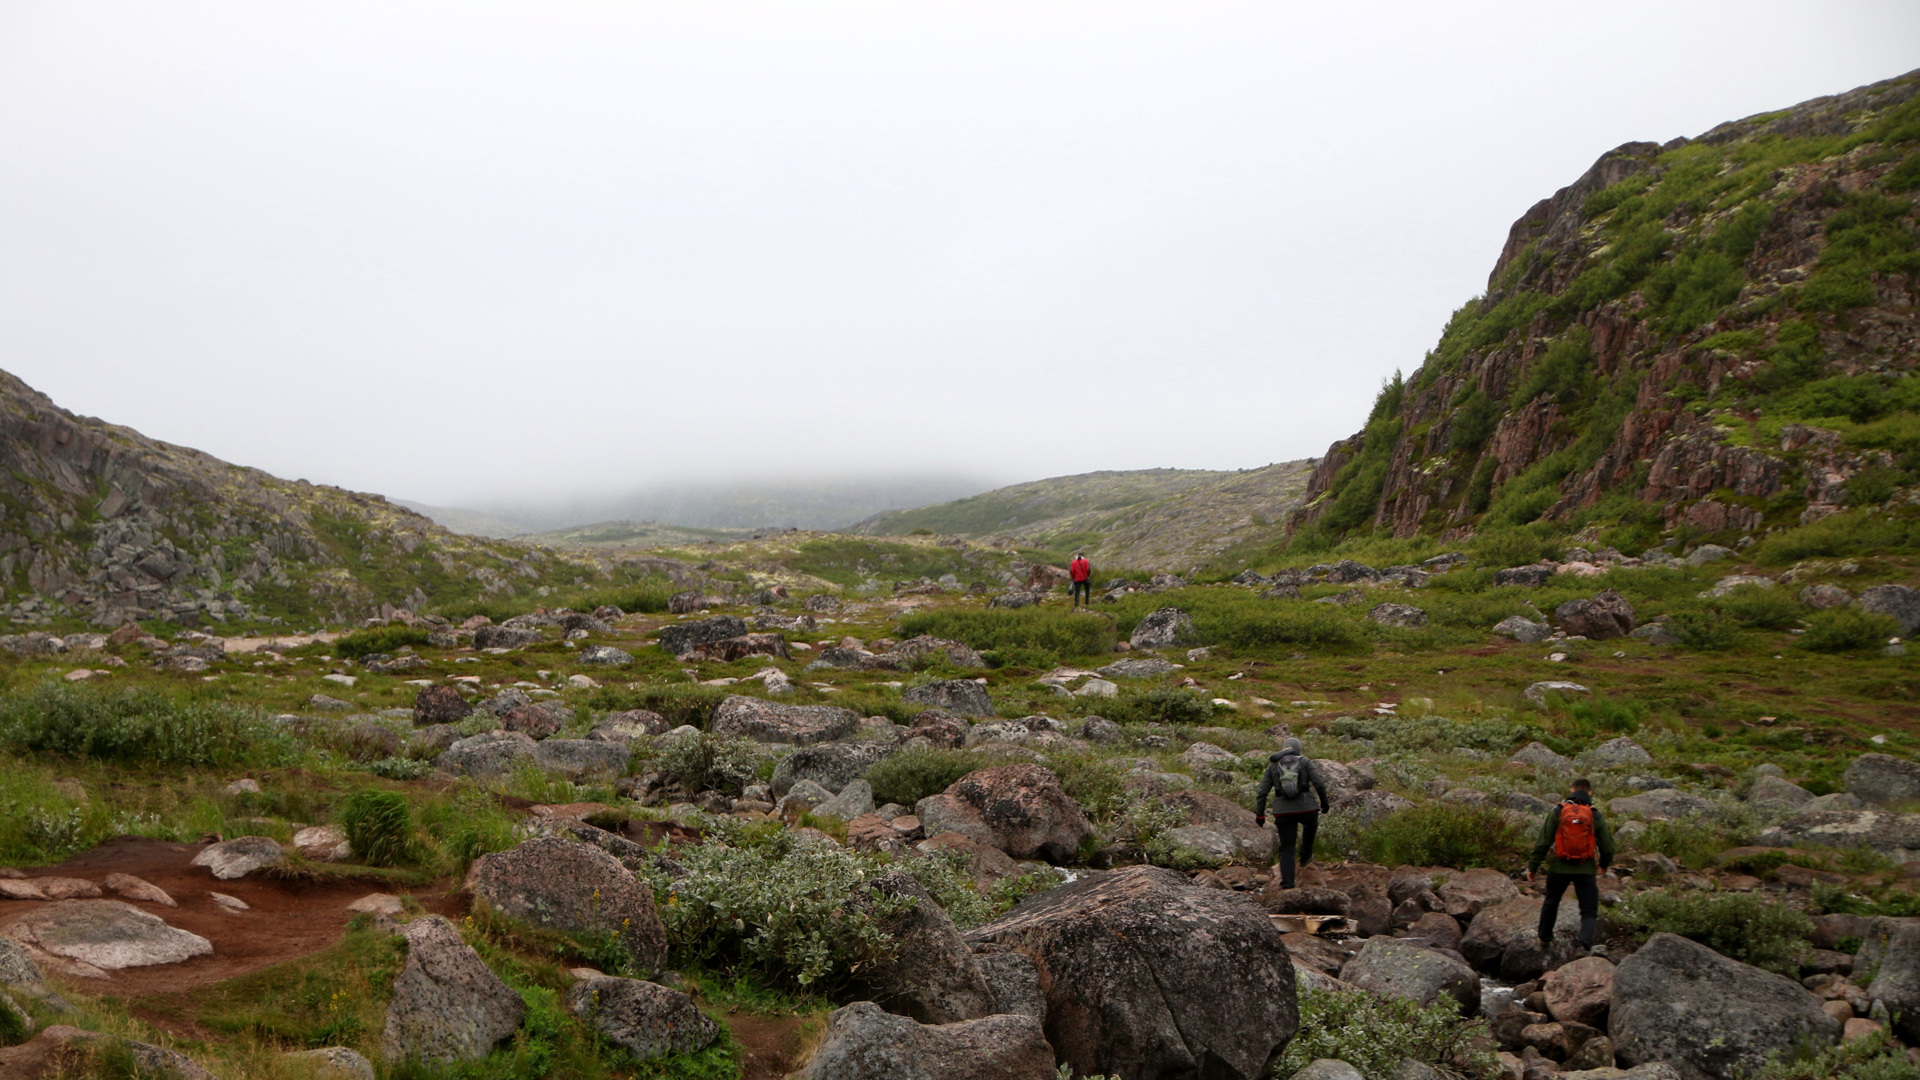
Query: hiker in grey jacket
x=1295 y=783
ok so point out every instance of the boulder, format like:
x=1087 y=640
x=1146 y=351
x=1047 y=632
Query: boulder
x=488 y=756
x=447 y=1006
x=865 y=1042
x=939 y=728
x=931 y=975
x=1392 y=614
x=1221 y=828
x=1522 y=629
x=1896 y=836
x=582 y=759
x=1531 y=576
x=959 y=697
x=440 y=704
x=988 y=864
x=1164 y=629
x=1898 y=601
x=1881 y=780
x=832 y=765
x=1660 y=803
x=1468 y=894
x=533 y=721
x=1402 y=969
x=1328 y=1069
x=1146 y=976
x=1679 y=1002
x=1895 y=945
x=1655 y=633
x=1651 y=1071
x=1608 y=615
x=1013 y=980
x=105 y=934
x=575 y=888
x=765 y=721
x=1774 y=791
x=605 y=656
x=236 y=858
x=678 y=639
x=334 y=1063
x=1020 y=809
x=319 y=843
x=504 y=637
x=645 y=1019
x=1616 y=753
x=1138 y=667
x=854 y=800
x=629 y=725
x=924 y=650
x=727 y=650
x=1539 y=756
x=1503 y=939
x=1707 y=553
x=1537 y=692
x=1824 y=597
x=1580 y=992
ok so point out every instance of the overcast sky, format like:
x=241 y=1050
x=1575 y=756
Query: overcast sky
x=482 y=253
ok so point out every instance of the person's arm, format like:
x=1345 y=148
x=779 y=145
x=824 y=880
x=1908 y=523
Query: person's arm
x=1319 y=784
x=1260 y=800
x=1547 y=830
x=1603 y=833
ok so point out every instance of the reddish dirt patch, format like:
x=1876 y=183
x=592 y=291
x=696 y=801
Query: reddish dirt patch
x=769 y=1048
x=289 y=919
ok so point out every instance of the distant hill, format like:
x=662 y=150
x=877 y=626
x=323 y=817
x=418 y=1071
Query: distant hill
x=638 y=535
x=1148 y=519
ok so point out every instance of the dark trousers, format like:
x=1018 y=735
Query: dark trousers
x=1295 y=829
x=1082 y=592
x=1586 y=889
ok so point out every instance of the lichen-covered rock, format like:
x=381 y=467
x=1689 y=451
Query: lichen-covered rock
x=1608 y=615
x=931 y=975
x=106 y=934
x=1540 y=756
x=832 y=765
x=1881 y=780
x=678 y=639
x=1616 y=753
x=439 y=704
x=504 y=637
x=487 y=756
x=335 y=1062
x=740 y=717
x=1708 y=1016
x=582 y=759
x=233 y=859
x=1020 y=809
x=572 y=887
x=1147 y=976
x=447 y=1005
x=645 y=1019
x=1522 y=629
x=1401 y=969
x=865 y=1042
x=1901 y=602
x=1392 y=614
x=960 y=697
x=1164 y=629
x=605 y=656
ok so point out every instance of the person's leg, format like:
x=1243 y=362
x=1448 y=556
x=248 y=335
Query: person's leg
x=1586 y=889
x=1287 y=827
x=1309 y=826
x=1550 y=908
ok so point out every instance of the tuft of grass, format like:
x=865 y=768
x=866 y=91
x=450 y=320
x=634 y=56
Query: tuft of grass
x=379 y=826
x=379 y=639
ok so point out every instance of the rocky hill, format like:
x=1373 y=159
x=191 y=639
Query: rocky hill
x=1716 y=334
x=1147 y=519
x=101 y=523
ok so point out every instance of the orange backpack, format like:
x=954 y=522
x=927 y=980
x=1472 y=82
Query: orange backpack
x=1573 y=841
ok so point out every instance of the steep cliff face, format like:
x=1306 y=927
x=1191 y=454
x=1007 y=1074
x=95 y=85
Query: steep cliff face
x=103 y=523
x=1717 y=333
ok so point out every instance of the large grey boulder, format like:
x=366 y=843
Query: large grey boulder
x=504 y=637
x=832 y=765
x=1396 y=968
x=740 y=717
x=1615 y=754
x=1540 y=756
x=488 y=756
x=961 y=697
x=1221 y=828
x=236 y=858
x=1020 y=809
x=1147 y=976
x=865 y=1042
x=678 y=639
x=582 y=759
x=1896 y=981
x=1660 y=803
x=854 y=800
x=447 y=1006
x=1164 y=629
x=1679 y=1002
x=1881 y=780
x=931 y=975
x=105 y=934
x=1897 y=836
x=1138 y=667
x=1775 y=791
x=605 y=656
x=1502 y=939
x=575 y=888
x=646 y=1019
x=1898 y=601
x=1537 y=692
x=1014 y=980
x=1522 y=629
x=1607 y=615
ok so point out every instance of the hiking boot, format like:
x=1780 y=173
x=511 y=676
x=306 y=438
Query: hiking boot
x=1597 y=950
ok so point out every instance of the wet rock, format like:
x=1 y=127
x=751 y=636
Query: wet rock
x=1679 y=1002
x=447 y=1006
x=106 y=934
x=740 y=717
x=1400 y=969
x=236 y=858
x=572 y=887
x=1019 y=809
x=1164 y=629
x=487 y=756
x=439 y=705
x=865 y=1042
x=645 y=1019
x=960 y=697
x=1138 y=967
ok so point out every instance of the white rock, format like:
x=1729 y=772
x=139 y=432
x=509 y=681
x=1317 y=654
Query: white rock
x=231 y=903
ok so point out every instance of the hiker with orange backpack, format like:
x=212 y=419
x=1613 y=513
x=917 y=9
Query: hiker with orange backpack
x=1581 y=847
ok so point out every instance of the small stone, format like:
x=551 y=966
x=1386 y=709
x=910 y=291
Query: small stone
x=134 y=888
x=339 y=679
x=231 y=903
x=244 y=786
x=377 y=904
x=239 y=857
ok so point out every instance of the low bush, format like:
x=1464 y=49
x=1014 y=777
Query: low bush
x=1374 y=1034
x=1028 y=631
x=1744 y=926
x=1444 y=834
x=469 y=826
x=1873 y=1057
x=1097 y=784
x=379 y=639
x=131 y=726
x=379 y=826
x=1759 y=608
x=1166 y=705
x=1296 y=624
x=1703 y=631
x=917 y=772
x=679 y=704
x=1437 y=734
x=702 y=761
x=1847 y=629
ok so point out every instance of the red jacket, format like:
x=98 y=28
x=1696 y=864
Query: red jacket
x=1081 y=569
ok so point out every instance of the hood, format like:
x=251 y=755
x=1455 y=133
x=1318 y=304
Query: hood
x=1580 y=797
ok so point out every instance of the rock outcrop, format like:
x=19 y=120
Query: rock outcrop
x=575 y=888
x=447 y=1005
x=1679 y=1002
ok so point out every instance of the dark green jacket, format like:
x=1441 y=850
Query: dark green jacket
x=1543 y=851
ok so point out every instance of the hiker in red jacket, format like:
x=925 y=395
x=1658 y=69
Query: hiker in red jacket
x=1082 y=572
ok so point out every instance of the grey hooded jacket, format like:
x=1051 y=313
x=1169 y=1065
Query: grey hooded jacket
x=1310 y=785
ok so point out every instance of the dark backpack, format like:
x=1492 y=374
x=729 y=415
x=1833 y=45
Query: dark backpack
x=1290 y=781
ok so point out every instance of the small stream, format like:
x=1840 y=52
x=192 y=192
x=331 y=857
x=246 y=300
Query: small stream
x=1496 y=997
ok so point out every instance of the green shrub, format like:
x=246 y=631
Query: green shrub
x=1375 y=1033
x=702 y=761
x=1444 y=834
x=1042 y=630
x=917 y=772
x=379 y=639
x=1437 y=734
x=1874 y=1057
x=1294 y=624
x=1847 y=629
x=1703 y=631
x=14 y=1027
x=131 y=726
x=469 y=826
x=1760 y=608
x=1166 y=705
x=1744 y=926
x=1097 y=784
x=379 y=826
